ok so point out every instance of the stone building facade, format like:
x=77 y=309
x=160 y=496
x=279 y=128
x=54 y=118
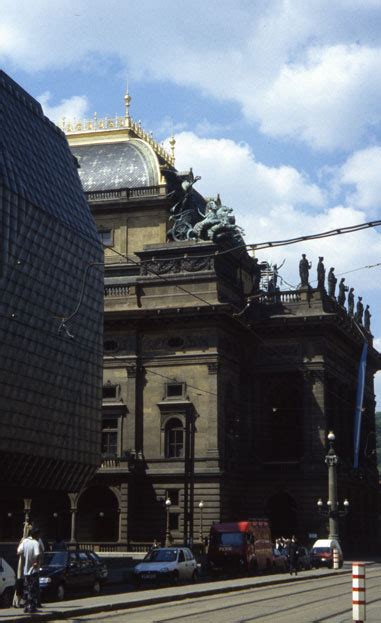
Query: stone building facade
x=202 y=402
x=208 y=395
x=50 y=384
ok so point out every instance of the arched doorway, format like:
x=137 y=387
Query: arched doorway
x=11 y=519
x=98 y=515
x=51 y=513
x=283 y=514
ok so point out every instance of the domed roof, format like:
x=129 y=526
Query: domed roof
x=111 y=166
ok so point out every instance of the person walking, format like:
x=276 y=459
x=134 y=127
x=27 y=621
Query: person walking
x=293 y=555
x=30 y=549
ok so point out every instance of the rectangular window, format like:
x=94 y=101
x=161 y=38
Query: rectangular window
x=106 y=236
x=175 y=390
x=110 y=436
x=110 y=391
x=174 y=521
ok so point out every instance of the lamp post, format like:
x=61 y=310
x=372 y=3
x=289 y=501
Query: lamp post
x=201 y=507
x=332 y=511
x=55 y=516
x=168 y=504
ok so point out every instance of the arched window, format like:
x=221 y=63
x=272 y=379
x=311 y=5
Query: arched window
x=174 y=438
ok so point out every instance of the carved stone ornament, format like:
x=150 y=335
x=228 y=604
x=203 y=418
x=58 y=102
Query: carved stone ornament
x=177 y=265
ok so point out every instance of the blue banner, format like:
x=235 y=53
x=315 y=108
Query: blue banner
x=359 y=399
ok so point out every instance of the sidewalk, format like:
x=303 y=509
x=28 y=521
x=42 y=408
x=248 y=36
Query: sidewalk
x=133 y=598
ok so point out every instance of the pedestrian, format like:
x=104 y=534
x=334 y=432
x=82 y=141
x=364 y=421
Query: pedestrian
x=155 y=545
x=293 y=555
x=30 y=549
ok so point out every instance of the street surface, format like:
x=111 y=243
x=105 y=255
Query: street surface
x=325 y=599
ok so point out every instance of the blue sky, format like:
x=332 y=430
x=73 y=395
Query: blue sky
x=275 y=103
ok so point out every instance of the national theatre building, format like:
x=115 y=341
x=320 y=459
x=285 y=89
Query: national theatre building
x=219 y=386
x=209 y=396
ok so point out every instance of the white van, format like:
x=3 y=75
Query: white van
x=7 y=583
x=322 y=553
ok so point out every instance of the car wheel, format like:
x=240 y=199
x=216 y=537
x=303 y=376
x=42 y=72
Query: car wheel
x=7 y=597
x=61 y=592
x=96 y=587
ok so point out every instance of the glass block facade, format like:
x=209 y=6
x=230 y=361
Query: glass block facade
x=51 y=266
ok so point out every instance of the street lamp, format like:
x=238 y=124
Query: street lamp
x=168 y=504
x=201 y=507
x=55 y=517
x=332 y=511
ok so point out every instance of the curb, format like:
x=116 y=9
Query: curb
x=153 y=600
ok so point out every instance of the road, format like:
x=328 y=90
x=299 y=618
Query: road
x=321 y=600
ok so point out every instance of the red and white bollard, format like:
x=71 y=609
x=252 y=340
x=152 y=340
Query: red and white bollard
x=336 y=561
x=358 y=592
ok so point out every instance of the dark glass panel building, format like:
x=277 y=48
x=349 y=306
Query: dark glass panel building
x=50 y=269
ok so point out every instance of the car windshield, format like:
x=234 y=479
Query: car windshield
x=321 y=550
x=228 y=538
x=162 y=555
x=54 y=559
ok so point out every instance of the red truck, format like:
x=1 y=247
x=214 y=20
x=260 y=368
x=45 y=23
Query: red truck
x=240 y=546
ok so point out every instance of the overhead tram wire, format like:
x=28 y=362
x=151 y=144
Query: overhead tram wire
x=236 y=316
x=254 y=246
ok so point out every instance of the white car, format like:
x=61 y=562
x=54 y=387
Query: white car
x=167 y=564
x=7 y=583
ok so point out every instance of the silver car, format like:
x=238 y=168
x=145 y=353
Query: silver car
x=167 y=564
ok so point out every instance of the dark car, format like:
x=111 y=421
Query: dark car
x=102 y=570
x=280 y=561
x=69 y=571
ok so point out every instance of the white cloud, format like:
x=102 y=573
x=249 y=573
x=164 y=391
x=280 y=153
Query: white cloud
x=361 y=171
x=330 y=100
x=300 y=70
x=280 y=203
x=72 y=108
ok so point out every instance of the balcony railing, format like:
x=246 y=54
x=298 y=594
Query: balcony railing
x=127 y=193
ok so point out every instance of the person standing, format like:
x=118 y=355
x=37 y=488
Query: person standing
x=30 y=549
x=293 y=555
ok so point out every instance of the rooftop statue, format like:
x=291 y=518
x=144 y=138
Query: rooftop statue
x=195 y=219
x=351 y=302
x=189 y=206
x=367 y=317
x=332 y=281
x=359 y=310
x=304 y=267
x=320 y=274
x=342 y=290
x=218 y=224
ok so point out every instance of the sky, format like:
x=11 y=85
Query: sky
x=276 y=104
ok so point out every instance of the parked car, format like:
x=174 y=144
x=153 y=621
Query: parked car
x=166 y=564
x=102 y=570
x=322 y=553
x=280 y=562
x=69 y=571
x=304 y=559
x=7 y=583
